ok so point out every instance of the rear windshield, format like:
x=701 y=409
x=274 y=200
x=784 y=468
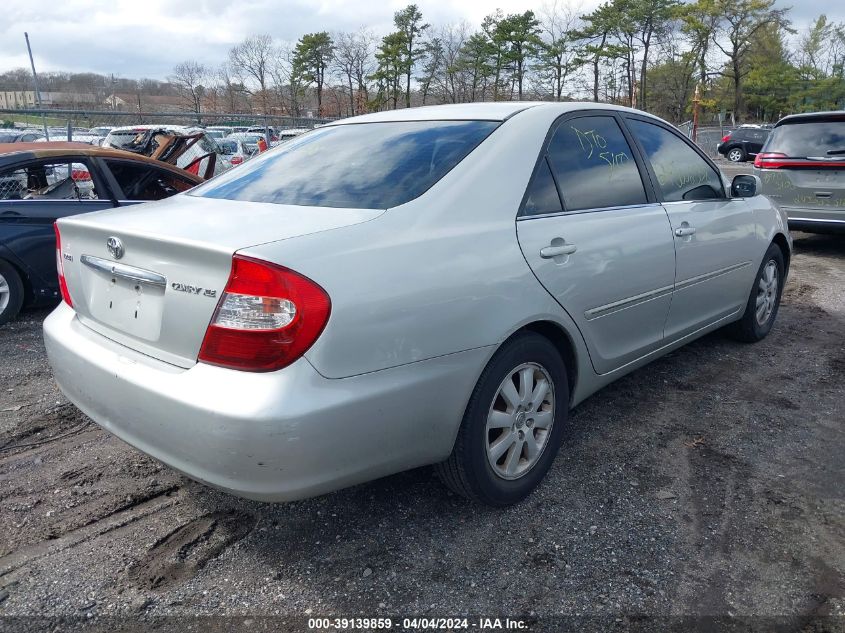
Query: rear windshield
x=814 y=138
x=359 y=166
x=123 y=139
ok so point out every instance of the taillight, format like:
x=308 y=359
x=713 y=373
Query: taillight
x=769 y=160
x=725 y=138
x=237 y=160
x=80 y=174
x=777 y=160
x=60 y=267
x=266 y=319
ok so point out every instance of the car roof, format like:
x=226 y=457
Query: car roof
x=485 y=111
x=61 y=149
x=806 y=117
x=154 y=126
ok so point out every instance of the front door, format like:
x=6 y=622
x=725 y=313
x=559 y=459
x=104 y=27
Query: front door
x=597 y=243
x=714 y=235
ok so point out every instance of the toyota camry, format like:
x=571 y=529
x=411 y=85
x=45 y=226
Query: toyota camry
x=437 y=285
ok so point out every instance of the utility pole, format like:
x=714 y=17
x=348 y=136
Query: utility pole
x=35 y=82
x=696 y=100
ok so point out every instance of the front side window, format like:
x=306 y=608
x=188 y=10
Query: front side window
x=594 y=165
x=359 y=166
x=681 y=173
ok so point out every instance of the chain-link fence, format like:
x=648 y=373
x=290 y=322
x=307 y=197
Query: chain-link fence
x=65 y=124
x=707 y=137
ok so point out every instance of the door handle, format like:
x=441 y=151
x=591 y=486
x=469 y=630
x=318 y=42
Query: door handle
x=557 y=250
x=684 y=231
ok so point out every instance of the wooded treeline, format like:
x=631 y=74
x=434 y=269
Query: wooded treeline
x=746 y=57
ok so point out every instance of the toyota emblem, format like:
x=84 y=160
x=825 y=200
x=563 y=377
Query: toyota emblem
x=115 y=247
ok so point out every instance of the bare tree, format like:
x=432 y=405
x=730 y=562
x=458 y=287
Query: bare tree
x=251 y=60
x=353 y=64
x=233 y=92
x=189 y=78
x=558 y=54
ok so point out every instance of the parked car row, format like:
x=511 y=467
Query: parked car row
x=517 y=258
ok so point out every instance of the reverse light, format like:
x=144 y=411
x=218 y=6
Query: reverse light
x=267 y=318
x=60 y=267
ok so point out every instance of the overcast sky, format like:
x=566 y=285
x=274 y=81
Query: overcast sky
x=146 y=38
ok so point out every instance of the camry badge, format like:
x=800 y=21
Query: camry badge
x=115 y=247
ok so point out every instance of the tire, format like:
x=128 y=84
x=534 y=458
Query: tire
x=751 y=328
x=11 y=292
x=469 y=471
x=736 y=155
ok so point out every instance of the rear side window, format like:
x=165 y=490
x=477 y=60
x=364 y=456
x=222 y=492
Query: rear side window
x=594 y=165
x=681 y=173
x=542 y=193
x=360 y=166
x=810 y=139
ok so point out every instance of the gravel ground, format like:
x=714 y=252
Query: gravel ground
x=709 y=483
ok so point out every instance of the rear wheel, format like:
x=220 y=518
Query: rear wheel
x=513 y=424
x=764 y=300
x=736 y=155
x=11 y=292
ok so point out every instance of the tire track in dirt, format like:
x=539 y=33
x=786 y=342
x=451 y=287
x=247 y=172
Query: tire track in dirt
x=183 y=552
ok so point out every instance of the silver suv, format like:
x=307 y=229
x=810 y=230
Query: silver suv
x=802 y=167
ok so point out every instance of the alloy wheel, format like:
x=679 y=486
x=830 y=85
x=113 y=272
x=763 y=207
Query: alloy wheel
x=520 y=421
x=735 y=155
x=5 y=294
x=767 y=292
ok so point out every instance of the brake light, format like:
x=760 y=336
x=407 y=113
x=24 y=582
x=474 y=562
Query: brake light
x=60 y=267
x=266 y=319
x=80 y=174
x=769 y=160
x=237 y=160
x=725 y=138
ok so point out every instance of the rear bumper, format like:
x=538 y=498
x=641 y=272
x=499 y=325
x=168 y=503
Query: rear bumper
x=816 y=220
x=275 y=436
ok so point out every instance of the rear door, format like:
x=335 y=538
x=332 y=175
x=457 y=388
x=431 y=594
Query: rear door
x=33 y=195
x=803 y=169
x=714 y=235
x=598 y=241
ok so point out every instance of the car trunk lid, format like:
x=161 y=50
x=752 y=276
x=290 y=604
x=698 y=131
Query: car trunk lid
x=160 y=294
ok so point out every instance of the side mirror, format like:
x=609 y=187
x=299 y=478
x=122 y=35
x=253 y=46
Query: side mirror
x=746 y=186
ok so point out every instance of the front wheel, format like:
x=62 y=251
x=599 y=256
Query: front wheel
x=764 y=300
x=736 y=155
x=513 y=424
